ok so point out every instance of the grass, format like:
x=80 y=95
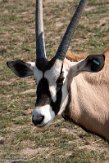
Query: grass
x=62 y=141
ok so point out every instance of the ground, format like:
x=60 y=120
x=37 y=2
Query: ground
x=20 y=141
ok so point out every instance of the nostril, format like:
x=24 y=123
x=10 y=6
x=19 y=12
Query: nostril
x=37 y=119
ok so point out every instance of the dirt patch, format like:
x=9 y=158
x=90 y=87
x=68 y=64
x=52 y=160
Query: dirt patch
x=104 y=22
x=75 y=132
x=90 y=8
x=28 y=92
x=57 y=1
x=28 y=152
x=2 y=140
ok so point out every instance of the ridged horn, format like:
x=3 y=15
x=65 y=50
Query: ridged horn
x=65 y=43
x=40 y=43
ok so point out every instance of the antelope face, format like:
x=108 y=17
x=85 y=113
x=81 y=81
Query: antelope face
x=50 y=79
x=50 y=76
x=49 y=92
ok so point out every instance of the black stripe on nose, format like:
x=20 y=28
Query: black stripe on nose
x=43 y=93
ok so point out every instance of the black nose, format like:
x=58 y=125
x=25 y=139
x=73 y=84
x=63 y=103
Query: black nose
x=38 y=119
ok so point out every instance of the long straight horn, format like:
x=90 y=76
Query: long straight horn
x=40 y=44
x=65 y=43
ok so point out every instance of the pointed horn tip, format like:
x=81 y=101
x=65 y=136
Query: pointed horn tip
x=64 y=45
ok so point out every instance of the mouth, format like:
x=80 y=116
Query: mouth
x=41 y=125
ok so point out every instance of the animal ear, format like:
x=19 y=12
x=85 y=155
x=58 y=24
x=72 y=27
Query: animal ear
x=93 y=63
x=21 y=68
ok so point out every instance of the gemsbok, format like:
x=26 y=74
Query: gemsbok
x=78 y=89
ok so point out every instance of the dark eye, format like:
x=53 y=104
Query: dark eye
x=60 y=80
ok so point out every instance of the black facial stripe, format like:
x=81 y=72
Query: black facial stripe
x=44 y=96
x=60 y=79
x=43 y=93
x=56 y=105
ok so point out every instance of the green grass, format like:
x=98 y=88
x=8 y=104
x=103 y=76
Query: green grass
x=62 y=141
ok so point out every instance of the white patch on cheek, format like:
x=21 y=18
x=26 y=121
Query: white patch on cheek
x=52 y=75
x=37 y=74
x=31 y=65
x=64 y=99
x=53 y=92
x=45 y=111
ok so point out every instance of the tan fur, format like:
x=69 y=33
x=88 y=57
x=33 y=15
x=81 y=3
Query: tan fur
x=89 y=106
x=75 y=57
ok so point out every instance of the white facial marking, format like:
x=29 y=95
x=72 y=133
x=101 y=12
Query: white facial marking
x=37 y=74
x=64 y=99
x=53 y=92
x=32 y=65
x=52 y=75
x=45 y=111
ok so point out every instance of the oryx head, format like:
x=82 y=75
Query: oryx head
x=52 y=76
